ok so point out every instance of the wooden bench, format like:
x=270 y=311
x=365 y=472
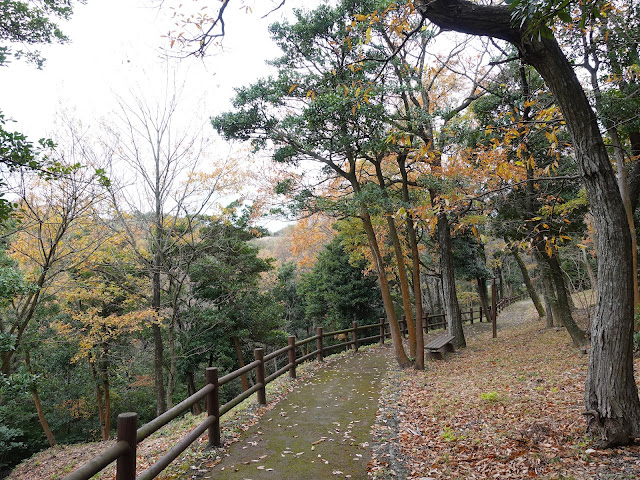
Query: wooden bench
x=440 y=345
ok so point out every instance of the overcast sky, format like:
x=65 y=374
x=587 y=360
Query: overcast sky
x=115 y=47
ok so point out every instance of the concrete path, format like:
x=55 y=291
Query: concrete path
x=320 y=431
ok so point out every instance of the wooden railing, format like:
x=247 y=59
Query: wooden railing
x=129 y=435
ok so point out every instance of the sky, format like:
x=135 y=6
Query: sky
x=115 y=51
x=115 y=47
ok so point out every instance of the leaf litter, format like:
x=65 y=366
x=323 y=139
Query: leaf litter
x=509 y=407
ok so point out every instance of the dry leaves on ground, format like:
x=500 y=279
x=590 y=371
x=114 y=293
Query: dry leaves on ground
x=509 y=407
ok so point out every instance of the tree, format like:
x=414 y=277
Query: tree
x=27 y=23
x=339 y=290
x=309 y=117
x=155 y=202
x=611 y=397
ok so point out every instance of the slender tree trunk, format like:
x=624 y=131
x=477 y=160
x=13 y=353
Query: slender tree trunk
x=483 y=294
x=587 y=265
x=238 y=349
x=400 y=260
x=99 y=396
x=171 y=381
x=527 y=281
x=415 y=271
x=577 y=334
x=551 y=315
x=38 y=404
x=396 y=337
x=452 y=309
x=106 y=433
x=196 y=409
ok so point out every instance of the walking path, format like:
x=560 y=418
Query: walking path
x=323 y=427
x=321 y=430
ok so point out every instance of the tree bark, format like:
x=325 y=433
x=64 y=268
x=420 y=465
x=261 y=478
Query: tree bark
x=611 y=396
x=452 y=309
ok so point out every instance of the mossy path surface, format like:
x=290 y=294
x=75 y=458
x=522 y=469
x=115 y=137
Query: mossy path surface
x=321 y=430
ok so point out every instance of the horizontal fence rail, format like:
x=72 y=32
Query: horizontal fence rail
x=123 y=452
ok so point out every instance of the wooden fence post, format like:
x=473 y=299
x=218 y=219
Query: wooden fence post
x=471 y=315
x=258 y=354
x=319 y=347
x=126 y=463
x=382 y=331
x=213 y=406
x=292 y=356
x=354 y=324
x=403 y=325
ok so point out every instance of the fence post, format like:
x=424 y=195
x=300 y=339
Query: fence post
x=471 y=315
x=126 y=463
x=258 y=354
x=403 y=323
x=354 y=324
x=213 y=406
x=292 y=356
x=382 y=331
x=319 y=347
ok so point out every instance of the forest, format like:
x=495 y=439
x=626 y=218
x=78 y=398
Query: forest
x=423 y=149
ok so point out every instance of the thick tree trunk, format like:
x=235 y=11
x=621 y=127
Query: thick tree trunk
x=611 y=394
x=452 y=309
x=527 y=281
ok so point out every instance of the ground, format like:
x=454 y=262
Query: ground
x=509 y=407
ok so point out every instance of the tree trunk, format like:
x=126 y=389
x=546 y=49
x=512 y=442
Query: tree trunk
x=452 y=309
x=99 y=396
x=396 y=337
x=402 y=271
x=238 y=348
x=577 y=334
x=527 y=281
x=38 y=404
x=548 y=306
x=415 y=271
x=196 y=409
x=171 y=381
x=483 y=294
x=587 y=265
x=611 y=396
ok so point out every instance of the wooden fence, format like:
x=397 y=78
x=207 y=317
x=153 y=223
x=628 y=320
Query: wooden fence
x=129 y=435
